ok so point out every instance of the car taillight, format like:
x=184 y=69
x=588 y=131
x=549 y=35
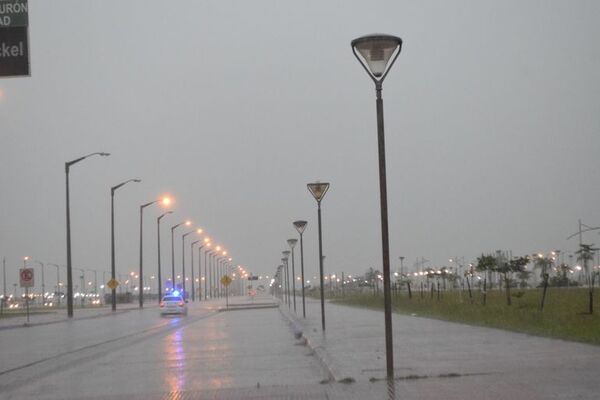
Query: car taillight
x=162 y=304
x=181 y=303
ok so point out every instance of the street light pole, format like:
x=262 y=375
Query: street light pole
x=292 y=244
x=318 y=191
x=69 y=264
x=376 y=51
x=43 y=280
x=112 y=236
x=286 y=255
x=140 y=285
x=187 y=223
x=57 y=281
x=183 y=260
x=300 y=227
x=159 y=268
x=192 y=264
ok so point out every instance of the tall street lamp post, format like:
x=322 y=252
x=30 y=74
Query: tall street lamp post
x=43 y=280
x=69 y=264
x=286 y=257
x=159 y=268
x=300 y=227
x=206 y=271
x=112 y=236
x=292 y=243
x=205 y=241
x=192 y=264
x=318 y=190
x=183 y=258
x=165 y=201
x=57 y=282
x=187 y=223
x=377 y=53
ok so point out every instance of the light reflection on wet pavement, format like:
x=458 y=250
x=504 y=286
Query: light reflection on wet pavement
x=208 y=354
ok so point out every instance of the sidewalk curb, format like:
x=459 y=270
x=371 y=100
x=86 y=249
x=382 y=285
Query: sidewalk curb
x=317 y=348
x=249 y=307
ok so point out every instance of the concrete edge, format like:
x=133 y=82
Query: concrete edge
x=238 y=308
x=320 y=352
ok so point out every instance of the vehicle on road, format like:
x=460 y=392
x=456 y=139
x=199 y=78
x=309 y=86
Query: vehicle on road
x=173 y=304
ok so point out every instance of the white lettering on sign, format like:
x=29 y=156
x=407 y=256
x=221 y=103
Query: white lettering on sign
x=13 y=8
x=12 y=51
x=4 y=20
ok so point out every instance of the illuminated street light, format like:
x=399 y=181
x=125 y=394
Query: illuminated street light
x=318 y=190
x=165 y=201
x=112 y=237
x=186 y=223
x=68 y=165
x=159 y=267
x=377 y=53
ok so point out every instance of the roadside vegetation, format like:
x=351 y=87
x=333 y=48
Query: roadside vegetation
x=534 y=294
x=564 y=316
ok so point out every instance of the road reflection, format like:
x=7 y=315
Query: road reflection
x=175 y=358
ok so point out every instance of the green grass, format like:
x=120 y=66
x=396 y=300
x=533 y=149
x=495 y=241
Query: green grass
x=565 y=312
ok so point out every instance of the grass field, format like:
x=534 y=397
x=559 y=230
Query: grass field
x=565 y=312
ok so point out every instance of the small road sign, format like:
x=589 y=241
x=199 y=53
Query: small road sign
x=26 y=277
x=112 y=284
x=225 y=280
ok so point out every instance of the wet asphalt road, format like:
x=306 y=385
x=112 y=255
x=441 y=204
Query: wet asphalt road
x=139 y=354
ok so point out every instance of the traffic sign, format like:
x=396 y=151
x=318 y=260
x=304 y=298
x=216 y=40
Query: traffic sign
x=14 y=38
x=26 y=277
x=13 y=13
x=225 y=280
x=112 y=284
x=253 y=278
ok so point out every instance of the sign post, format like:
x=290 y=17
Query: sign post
x=14 y=38
x=26 y=280
x=225 y=281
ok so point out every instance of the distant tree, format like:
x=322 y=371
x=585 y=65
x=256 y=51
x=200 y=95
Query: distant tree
x=468 y=276
x=506 y=269
x=544 y=264
x=561 y=278
x=523 y=278
x=586 y=254
x=486 y=264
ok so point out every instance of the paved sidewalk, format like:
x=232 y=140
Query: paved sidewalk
x=60 y=315
x=437 y=357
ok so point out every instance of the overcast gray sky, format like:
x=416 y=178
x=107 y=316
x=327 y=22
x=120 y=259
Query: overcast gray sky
x=491 y=111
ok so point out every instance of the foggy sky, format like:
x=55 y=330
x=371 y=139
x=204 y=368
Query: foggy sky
x=491 y=113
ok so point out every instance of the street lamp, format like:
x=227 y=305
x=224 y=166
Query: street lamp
x=57 y=281
x=183 y=257
x=187 y=223
x=300 y=227
x=286 y=257
x=68 y=165
x=165 y=201
x=318 y=190
x=159 y=268
x=112 y=236
x=43 y=280
x=377 y=53
x=292 y=243
x=205 y=241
